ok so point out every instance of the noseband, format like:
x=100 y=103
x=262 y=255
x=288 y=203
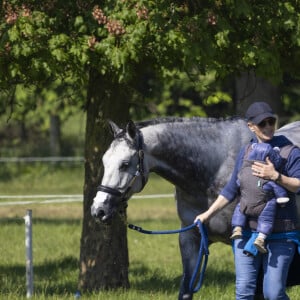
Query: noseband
x=139 y=172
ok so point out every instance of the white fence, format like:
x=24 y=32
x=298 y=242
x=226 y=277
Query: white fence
x=45 y=199
x=41 y=159
x=29 y=257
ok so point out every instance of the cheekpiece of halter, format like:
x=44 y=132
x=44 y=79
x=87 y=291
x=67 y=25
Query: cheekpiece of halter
x=141 y=154
x=141 y=157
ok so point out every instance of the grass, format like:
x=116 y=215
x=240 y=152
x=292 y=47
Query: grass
x=155 y=263
x=41 y=178
x=155 y=266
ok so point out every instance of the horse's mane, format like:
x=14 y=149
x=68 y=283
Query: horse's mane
x=172 y=120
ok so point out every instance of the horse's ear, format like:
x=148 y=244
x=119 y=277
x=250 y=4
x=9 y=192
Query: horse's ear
x=114 y=128
x=131 y=129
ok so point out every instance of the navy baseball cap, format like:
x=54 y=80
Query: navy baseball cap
x=258 y=111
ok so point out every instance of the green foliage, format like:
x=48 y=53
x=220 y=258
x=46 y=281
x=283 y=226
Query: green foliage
x=217 y=98
x=44 y=42
x=27 y=134
x=291 y=103
x=188 y=94
x=164 y=51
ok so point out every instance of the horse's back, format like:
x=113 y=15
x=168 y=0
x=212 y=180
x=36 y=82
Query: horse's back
x=291 y=131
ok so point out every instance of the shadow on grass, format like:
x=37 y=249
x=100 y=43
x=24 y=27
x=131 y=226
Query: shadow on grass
x=59 y=277
x=219 y=278
x=53 y=277
x=147 y=279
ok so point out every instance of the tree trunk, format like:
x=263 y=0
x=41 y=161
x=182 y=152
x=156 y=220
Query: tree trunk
x=250 y=88
x=55 y=142
x=103 y=250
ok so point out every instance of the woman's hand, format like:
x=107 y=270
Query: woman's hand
x=264 y=170
x=202 y=217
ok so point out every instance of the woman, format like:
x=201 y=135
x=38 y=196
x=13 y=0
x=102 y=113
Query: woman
x=261 y=121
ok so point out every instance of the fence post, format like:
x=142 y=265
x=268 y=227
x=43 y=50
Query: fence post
x=28 y=246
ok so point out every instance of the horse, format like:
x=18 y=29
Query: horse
x=196 y=155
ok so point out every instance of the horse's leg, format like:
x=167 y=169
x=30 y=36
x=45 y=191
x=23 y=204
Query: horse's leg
x=189 y=242
x=188 y=207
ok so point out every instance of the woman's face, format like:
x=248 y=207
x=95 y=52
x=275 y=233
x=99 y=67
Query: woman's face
x=265 y=130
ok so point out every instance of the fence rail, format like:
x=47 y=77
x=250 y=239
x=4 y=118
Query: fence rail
x=46 y=199
x=41 y=159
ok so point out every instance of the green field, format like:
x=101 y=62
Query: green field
x=155 y=265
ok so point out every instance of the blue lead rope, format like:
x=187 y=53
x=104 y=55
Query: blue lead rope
x=203 y=250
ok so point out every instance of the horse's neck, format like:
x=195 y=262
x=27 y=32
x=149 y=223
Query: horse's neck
x=178 y=153
x=193 y=155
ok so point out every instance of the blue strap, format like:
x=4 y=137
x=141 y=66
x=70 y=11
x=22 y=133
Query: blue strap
x=203 y=250
x=141 y=230
x=200 y=265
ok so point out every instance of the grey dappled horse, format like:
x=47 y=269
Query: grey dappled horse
x=197 y=155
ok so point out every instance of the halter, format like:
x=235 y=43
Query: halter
x=139 y=172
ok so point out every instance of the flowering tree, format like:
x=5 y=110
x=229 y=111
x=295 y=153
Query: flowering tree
x=107 y=47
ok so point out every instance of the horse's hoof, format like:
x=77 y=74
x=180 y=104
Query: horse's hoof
x=187 y=297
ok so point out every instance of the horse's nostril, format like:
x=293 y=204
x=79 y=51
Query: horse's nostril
x=97 y=214
x=100 y=214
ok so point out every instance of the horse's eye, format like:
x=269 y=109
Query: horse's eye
x=124 y=165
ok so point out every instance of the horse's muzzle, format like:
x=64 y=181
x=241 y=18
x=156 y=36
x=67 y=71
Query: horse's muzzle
x=104 y=207
x=100 y=215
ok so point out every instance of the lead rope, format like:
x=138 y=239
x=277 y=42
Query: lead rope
x=203 y=251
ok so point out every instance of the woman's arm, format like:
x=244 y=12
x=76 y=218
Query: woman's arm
x=220 y=202
x=267 y=171
x=290 y=183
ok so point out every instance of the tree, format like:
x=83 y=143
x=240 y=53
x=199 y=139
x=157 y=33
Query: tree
x=103 y=256
x=107 y=47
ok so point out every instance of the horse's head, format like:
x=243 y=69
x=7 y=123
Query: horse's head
x=125 y=172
